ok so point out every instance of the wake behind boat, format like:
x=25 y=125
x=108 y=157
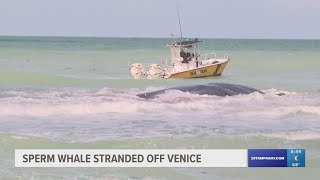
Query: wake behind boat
x=186 y=63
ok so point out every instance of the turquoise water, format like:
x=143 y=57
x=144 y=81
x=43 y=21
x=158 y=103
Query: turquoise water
x=99 y=62
x=60 y=92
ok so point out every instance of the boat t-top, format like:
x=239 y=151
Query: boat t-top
x=186 y=63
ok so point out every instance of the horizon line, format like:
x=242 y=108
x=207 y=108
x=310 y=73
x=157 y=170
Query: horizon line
x=149 y=37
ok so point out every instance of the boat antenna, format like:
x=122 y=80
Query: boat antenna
x=179 y=21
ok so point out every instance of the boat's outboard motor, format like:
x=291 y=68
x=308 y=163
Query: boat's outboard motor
x=156 y=71
x=138 y=71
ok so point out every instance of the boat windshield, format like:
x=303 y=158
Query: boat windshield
x=184 y=51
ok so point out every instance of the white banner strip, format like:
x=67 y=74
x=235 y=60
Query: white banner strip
x=131 y=158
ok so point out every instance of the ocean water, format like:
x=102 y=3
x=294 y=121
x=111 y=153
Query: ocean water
x=60 y=92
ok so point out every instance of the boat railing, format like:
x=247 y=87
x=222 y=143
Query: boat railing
x=214 y=56
x=226 y=56
x=210 y=55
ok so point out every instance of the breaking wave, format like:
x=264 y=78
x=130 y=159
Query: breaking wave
x=106 y=100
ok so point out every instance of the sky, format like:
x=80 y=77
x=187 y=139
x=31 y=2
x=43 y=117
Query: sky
x=254 y=19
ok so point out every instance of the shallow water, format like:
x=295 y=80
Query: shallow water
x=78 y=93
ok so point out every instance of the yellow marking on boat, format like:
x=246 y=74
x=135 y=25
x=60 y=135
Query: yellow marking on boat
x=211 y=70
x=223 y=65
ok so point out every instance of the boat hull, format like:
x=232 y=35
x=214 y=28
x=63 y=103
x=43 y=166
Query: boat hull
x=206 y=71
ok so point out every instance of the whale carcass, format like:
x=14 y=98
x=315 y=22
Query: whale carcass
x=216 y=89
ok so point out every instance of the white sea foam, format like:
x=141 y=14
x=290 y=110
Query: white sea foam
x=19 y=137
x=107 y=100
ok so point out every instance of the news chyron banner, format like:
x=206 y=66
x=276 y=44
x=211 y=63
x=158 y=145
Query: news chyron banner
x=160 y=158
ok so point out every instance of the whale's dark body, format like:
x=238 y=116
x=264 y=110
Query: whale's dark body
x=217 y=89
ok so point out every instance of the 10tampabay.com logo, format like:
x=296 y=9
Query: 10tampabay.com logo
x=276 y=158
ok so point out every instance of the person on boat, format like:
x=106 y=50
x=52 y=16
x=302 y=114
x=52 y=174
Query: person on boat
x=184 y=56
x=189 y=57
